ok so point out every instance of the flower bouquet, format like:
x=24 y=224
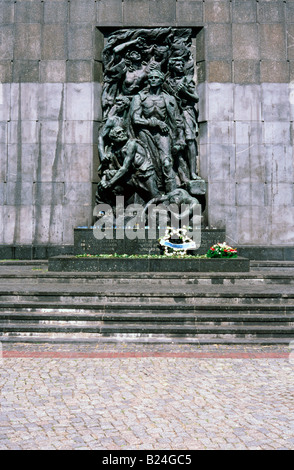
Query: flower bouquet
x=221 y=250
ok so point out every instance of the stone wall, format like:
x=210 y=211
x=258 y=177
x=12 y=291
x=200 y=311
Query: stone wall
x=50 y=74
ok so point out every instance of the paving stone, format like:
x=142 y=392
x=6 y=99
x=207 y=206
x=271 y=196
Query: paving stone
x=232 y=416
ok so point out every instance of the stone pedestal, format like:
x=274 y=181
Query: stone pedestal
x=86 y=243
x=147 y=265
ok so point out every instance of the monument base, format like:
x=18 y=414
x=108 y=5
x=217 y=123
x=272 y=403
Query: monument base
x=147 y=265
x=145 y=255
x=86 y=243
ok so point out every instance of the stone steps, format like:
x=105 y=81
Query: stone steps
x=177 y=328
x=150 y=279
x=51 y=299
x=203 y=308
x=106 y=322
x=158 y=317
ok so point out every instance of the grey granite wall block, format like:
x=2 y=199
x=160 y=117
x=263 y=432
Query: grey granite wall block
x=219 y=41
x=274 y=71
x=53 y=71
x=22 y=162
x=97 y=109
x=50 y=163
x=201 y=72
x=29 y=132
x=217 y=216
x=97 y=71
x=98 y=44
x=19 y=193
x=2 y=194
x=232 y=235
x=247 y=103
x=79 y=101
x=24 y=101
x=204 y=160
x=48 y=224
x=6 y=42
x=27 y=43
x=250 y=194
x=79 y=194
x=272 y=41
x=6 y=11
x=78 y=132
x=276 y=102
x=279 y=163
x=189 y=13
x=56 y=11
x=245 y=41
x=5 y=91
x=162 y=12
x=78 y=71
x=282 y=219
x=246 y=71
x=250 y=163
x=219 y=71
x=289 y=13
x=202 y=105
x=3 y=132
x=25 y=71
x=271 y=12
x=219 y=101
x=51 y=101
x=248 y=132
x=136 y=13
x=221 y=162
x=81 y=11
x=80 y=41
x=5 y=71
x=201 y=45
x=78 y=162
x=290 y=40
x=222 y=132
x=221 y=193
x=45 y=193
x=253 y=225
x=217 y=12
x=50 y=133
x=276 y=133
x=75 y=216
x=244 y=11
x=17 y=224
x=30 y=11
x=109 y=12
x=279 y=194
x=54 y=42
x=3 y=162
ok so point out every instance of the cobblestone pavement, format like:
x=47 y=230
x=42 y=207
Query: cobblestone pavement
x=150 y=397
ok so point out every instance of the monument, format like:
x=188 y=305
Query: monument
x=148 y=141
x=150 y=195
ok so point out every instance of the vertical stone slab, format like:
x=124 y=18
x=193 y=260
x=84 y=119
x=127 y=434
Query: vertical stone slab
x=189 y=13
x=162 y=12
x=109 y=12
x=136 y=13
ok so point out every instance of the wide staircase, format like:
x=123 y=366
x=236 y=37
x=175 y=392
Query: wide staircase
x=255 y=307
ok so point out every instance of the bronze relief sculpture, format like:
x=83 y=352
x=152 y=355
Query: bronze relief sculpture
x=148 y=140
